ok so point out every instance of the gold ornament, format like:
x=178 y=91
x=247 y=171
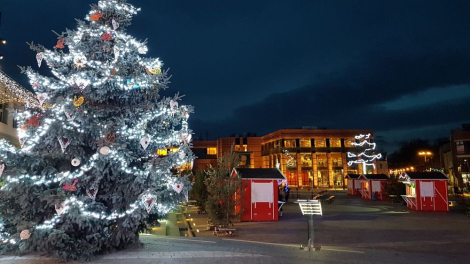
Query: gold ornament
x=79 y=64
x=78 y=101
x=154 y=71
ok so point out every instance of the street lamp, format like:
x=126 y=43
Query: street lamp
x=3 y=41
x=425 y=153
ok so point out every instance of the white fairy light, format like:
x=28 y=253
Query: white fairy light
x=364 y=158
x=80 y=71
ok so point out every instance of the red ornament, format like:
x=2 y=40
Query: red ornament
x=96 y=16
x=106 y=36
x=71 y=187
x=110 y=137
x=221 y=202
x=34 y=120
x=60 y=43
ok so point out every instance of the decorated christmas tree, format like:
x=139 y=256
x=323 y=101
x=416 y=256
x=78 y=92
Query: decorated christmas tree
x=365 y=154
x=102 y=153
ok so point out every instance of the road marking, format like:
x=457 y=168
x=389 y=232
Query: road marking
x=266 y=243
x=192 y=240
x=343 y=250
x=294 y=245
x=178 y=254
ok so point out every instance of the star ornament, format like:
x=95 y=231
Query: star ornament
x=79 y=64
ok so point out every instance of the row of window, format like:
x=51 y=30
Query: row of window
x=306 y=160
x=305 y=178
x=308 y=143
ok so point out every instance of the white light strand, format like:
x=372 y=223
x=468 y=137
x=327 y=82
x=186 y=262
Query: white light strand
x=83 y=77
x=369 y=161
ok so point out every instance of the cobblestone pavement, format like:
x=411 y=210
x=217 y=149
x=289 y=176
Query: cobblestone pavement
x=159 y=249
x=350 y=231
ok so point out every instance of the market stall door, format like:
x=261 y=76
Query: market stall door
x=440 y=193
x=428 y=199
x=262 y=202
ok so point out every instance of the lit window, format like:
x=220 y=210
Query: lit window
x=162 y=152
x=306 y=160
x=335 y=143
x=349 y=142
x=173 y=150
x=211 y=151
x=321 y=160
x=289 y=143
x=320 y=143
x=305 y=143
x=291 y=162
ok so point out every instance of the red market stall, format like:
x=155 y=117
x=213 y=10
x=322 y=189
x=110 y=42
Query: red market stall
x=354 y=184
x=425 y=191
x=372 y=186
x=261 y=192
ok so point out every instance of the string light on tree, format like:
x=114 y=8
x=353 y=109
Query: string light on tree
x=87 y=162
x=366 y=155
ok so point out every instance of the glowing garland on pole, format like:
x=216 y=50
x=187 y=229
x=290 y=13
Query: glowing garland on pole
x=363 y=158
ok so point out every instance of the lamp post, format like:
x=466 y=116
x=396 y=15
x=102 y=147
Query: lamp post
x=425 y=153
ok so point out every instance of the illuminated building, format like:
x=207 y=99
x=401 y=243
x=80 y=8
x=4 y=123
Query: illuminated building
x=455 y=157
x=12 y=96
x=307 y=157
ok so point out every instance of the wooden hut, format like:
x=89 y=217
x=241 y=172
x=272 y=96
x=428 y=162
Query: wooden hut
x=372 y=186
x=425 y=191
x=261 y=193
x=354 y=184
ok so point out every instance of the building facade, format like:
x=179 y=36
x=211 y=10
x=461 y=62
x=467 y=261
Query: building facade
x=12 y=97
x=308 y=157
x=455 y=157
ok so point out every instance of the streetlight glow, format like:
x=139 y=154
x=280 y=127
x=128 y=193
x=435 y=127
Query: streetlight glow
x=425 y=153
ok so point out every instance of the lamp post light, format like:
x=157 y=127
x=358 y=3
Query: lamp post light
x=2 y=41
x=425 y=153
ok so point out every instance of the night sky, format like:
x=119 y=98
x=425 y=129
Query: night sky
x=401 y=68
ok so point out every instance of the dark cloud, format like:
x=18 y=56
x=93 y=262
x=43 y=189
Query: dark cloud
x=263 y=65
x=356 y=99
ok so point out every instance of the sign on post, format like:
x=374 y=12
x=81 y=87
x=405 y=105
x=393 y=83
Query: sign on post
x=311 y=208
